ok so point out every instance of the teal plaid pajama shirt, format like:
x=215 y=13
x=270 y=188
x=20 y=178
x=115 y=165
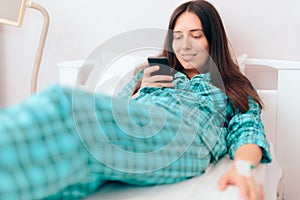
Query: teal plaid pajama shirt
x=64 y=143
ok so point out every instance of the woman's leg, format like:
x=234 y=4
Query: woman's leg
x=64 y=143
x=140 y=143
x=39 y=153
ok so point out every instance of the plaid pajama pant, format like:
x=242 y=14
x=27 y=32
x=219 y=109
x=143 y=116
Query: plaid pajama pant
x=65 y=144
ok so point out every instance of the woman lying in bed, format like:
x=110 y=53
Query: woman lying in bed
x=65 y=143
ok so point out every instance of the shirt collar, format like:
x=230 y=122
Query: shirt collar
x=199 y=77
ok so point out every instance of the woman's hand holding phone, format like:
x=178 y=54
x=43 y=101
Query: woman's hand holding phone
x=156 y=80
x=158 y=74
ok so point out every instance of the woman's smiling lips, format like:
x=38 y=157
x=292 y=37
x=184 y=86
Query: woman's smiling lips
x=188 y=57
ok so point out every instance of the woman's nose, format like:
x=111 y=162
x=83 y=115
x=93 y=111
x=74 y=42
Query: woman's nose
x=186 y=43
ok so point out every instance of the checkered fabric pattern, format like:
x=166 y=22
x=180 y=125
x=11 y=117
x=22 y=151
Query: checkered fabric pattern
x=64 y=143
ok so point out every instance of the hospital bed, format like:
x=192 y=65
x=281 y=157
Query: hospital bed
x=263 y=73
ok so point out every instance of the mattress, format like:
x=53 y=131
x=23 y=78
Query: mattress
x=197 y=188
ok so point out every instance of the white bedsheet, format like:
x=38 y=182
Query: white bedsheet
x=198 y=188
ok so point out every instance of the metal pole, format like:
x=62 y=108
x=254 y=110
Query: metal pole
x=40 y=50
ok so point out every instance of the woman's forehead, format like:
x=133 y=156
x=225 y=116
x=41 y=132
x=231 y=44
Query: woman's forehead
x=188 y=21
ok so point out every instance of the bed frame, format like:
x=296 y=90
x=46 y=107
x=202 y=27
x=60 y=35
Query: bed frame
x=265 y=76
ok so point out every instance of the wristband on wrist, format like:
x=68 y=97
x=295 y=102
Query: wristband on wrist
x=244 y=168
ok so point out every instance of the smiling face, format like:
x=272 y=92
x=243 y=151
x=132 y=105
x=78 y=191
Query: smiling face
x=190 y=44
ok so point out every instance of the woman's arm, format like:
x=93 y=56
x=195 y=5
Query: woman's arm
x=247 y=145
x=250 y=153
x=245 y=129
x=240 y=174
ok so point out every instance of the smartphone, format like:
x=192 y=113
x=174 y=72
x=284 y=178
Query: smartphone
x=163 y=63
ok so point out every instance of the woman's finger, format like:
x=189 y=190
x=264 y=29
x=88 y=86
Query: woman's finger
x=261 y=192
x=156 y=80
x=149 y=70
x=166 y=85
x=253 y=189
x=243 y=188
x=224 y=181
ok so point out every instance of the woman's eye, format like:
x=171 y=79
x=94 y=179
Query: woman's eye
x=196 y=36
x=177 y=37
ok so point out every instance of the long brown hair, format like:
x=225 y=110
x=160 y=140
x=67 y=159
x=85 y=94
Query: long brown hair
x=237 y=86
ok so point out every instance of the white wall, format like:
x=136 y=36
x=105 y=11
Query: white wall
x=267 y=29
x=263 y=28
x=76 y=29
x=260 y=28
